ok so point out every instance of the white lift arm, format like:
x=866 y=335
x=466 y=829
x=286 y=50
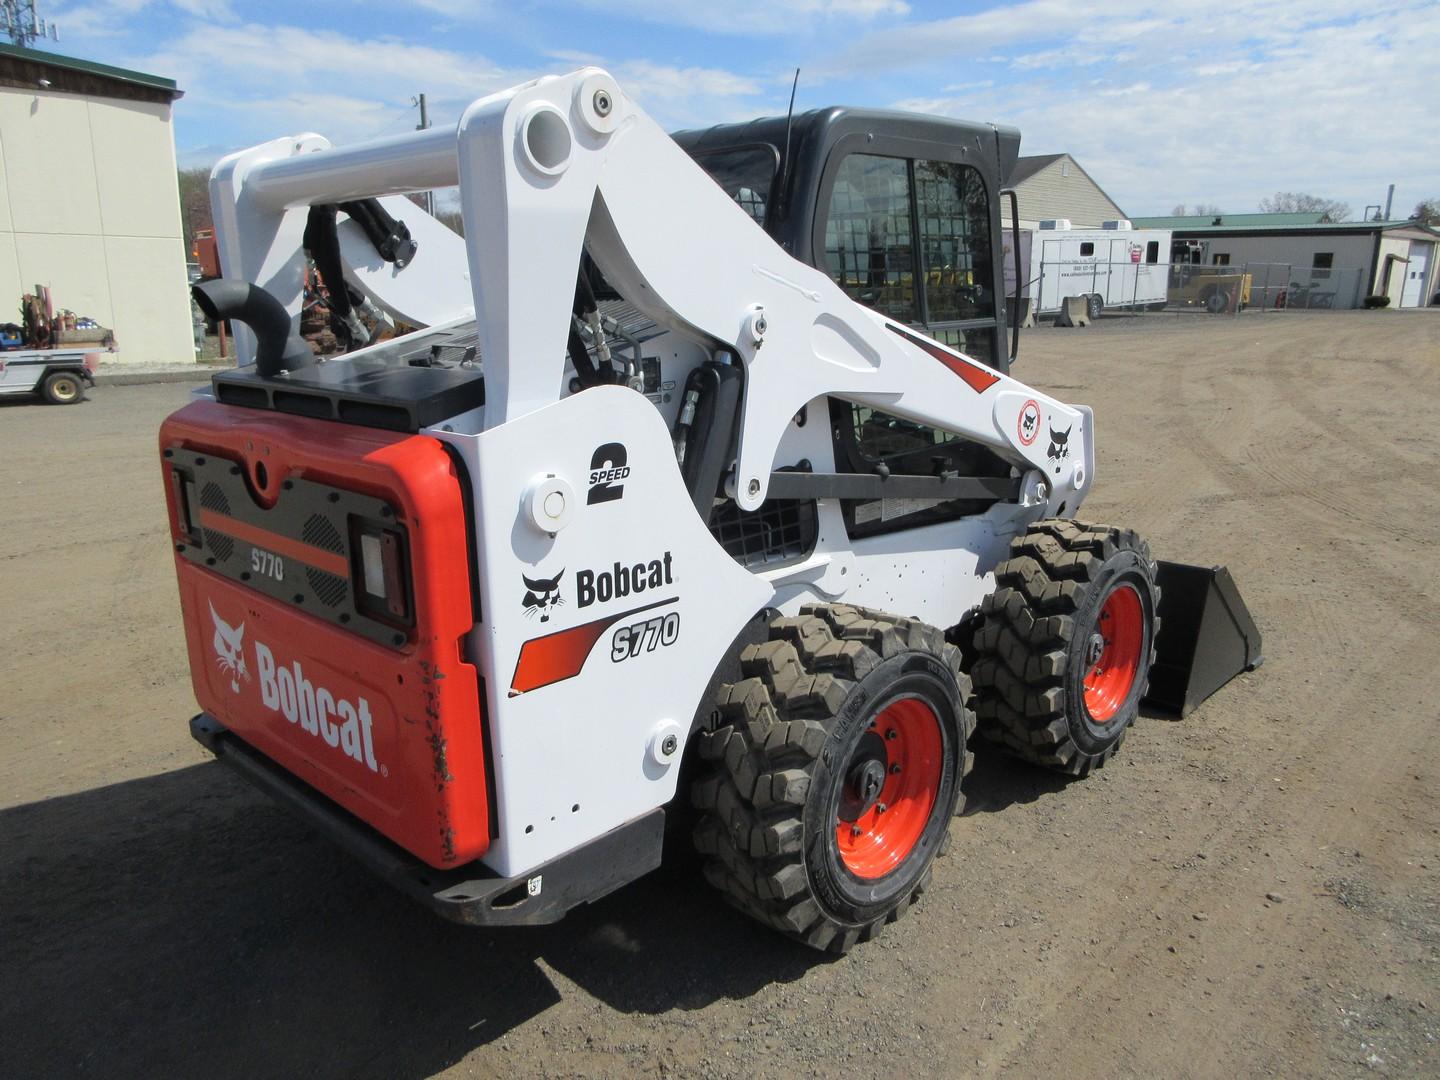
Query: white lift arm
x=554 y=165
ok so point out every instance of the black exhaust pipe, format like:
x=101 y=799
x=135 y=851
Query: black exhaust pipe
x=277 y=347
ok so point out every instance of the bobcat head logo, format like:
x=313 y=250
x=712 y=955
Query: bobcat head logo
x=542 y=595
x=1059 y=444
x=1027 y=422
x=229 y=642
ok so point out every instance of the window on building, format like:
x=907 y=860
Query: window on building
x=1152 y=251
x=1087 y=248
x=1323 y=260
x=1220 y=258
x=868 y=247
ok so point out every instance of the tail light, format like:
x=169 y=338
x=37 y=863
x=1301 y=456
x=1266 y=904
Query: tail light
x=380 y=571
x=186 y=505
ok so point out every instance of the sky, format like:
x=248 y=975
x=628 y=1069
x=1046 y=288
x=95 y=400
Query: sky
x=1162 y=103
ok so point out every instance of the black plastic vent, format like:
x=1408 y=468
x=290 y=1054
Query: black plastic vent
x=219 y=545
x=212 y=498
x=322 y=533
x=330 y=589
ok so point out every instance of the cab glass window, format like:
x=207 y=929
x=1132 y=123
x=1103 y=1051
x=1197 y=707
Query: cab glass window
x=745 y=173
x=954 y=220
x=868 y=249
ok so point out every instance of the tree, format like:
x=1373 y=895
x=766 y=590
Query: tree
x=1427 y=212
x=194 y=204
x=1198 y=210
x=1297 y=202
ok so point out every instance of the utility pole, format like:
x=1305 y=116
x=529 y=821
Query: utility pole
x=425 y=123
x=22 y=22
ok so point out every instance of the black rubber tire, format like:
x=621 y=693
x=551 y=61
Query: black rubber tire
x=1217 y=302
x=63 y=388
x=1094 y=305
x=1034 y=632
x=786 y=733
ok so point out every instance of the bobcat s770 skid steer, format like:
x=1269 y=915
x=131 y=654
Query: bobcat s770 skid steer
x=676 y=504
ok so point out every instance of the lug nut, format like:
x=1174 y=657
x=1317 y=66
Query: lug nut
x=892 y=734
x=895 y=769
x=880 y=807
x=855 y=830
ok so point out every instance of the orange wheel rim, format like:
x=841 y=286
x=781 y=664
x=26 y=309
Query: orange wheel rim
x=1114 y=649
x=890 y=787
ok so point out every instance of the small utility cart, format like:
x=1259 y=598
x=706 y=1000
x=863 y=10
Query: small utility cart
x=57 y=375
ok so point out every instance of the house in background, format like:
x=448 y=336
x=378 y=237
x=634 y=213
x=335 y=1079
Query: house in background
x=89 y=203
x=1054 y=186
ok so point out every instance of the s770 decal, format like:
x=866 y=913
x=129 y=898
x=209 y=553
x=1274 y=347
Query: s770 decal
x=560 y=656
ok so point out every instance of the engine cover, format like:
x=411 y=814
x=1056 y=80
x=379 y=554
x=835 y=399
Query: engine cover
x=377 y=709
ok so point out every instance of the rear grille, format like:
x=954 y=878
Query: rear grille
x=782 y=530
x=212 y=498
x=219 y=545
x=329 y=589
x=322 y=533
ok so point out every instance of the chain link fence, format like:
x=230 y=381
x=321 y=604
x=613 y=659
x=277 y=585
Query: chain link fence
x=1134 y=287
x=1284 y=286
x=1263 y=286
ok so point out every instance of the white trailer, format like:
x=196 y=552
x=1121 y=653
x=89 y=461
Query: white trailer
x=1114 y=266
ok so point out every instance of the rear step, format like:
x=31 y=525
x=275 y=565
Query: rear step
x=473 y=894
x=1206 y=638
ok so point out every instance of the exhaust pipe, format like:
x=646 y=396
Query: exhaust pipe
x=278 y=348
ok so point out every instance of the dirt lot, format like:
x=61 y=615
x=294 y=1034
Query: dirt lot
x=1252 y=892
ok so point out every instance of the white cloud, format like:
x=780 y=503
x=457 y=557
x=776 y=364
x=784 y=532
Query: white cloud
x=1227 y=105
x=748 y=16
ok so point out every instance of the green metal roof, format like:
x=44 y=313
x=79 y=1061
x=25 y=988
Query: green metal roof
x=1195 y=221
x=90 y=67
x=1203 y=226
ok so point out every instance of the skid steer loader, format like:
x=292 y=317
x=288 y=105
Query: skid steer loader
x=680 y=499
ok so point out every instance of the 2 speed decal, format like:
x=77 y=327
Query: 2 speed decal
x=609 y=466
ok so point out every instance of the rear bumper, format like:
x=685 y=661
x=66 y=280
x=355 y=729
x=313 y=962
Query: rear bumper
x=472 y=894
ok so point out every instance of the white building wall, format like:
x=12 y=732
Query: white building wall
x=1395 y=286
x=89 y=206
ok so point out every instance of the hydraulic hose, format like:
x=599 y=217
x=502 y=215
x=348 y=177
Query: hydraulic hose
x=278 y=348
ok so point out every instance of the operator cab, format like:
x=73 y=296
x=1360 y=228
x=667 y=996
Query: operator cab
x=902 y=211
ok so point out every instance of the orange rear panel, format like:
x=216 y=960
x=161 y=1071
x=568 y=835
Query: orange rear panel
x=388 y=724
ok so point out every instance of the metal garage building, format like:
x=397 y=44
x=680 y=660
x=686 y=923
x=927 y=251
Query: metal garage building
x=1328 y=264
x=89 y=204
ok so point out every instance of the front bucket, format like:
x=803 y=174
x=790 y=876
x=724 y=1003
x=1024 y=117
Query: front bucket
x=1207 y=636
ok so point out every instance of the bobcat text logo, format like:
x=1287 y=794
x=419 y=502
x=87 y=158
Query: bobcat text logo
x=622 y=580
x=1059 y=444
x=342 y=724
x=608 y=469
x=229 y=642
x=542 y=596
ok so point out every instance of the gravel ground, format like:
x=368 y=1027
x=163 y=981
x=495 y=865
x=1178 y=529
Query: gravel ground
x=1254 y=891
